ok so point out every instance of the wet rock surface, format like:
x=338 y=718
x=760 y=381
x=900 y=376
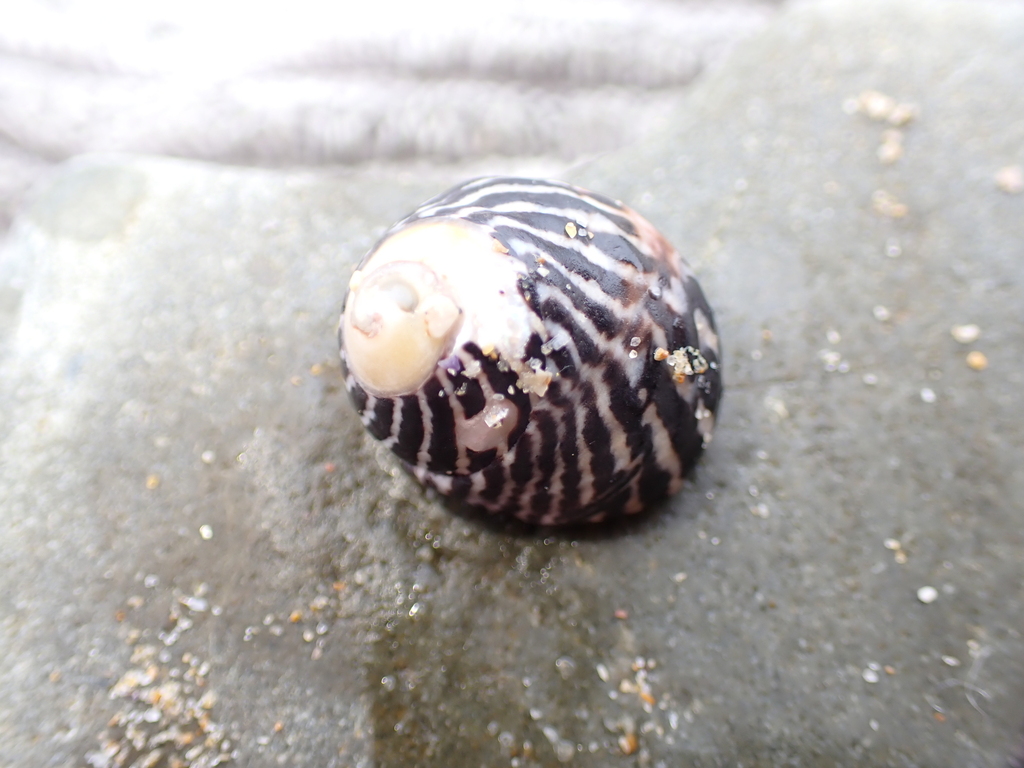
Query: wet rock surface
x=204 y=558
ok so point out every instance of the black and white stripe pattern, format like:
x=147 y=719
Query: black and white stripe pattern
x=618 y=426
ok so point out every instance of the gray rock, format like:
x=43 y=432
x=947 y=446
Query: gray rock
x=179 y=468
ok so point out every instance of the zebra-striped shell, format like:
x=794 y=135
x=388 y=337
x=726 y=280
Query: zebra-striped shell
x=534 y=349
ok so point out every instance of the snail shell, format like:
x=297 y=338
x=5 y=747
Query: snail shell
x=533 y=349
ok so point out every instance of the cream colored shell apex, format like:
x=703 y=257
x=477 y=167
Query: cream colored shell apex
x=425 y=291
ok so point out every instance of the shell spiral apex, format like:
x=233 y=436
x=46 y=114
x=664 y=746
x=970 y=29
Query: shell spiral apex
x=533 y=349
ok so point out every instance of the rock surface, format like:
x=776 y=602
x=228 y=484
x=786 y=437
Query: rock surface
x=389 y=80
x=184 y=491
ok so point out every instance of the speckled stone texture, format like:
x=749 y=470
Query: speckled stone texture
x=185 y=491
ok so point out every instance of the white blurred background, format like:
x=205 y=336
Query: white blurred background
x=502 y=84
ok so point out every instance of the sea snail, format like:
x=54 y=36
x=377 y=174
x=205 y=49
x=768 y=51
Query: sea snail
x=533 y=349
